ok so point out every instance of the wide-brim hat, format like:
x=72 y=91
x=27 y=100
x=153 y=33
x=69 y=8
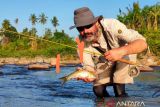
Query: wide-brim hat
x=83 y=17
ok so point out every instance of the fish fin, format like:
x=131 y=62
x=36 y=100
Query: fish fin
x=64 y=80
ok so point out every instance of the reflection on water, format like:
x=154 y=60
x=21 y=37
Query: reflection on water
x=20 y=88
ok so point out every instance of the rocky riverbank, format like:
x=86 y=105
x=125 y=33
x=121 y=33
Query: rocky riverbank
x=149 y=60
x=25 y=61
x=145 y=60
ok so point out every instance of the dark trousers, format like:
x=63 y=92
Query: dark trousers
x=119 y=90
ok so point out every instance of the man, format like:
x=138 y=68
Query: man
x=111 y=37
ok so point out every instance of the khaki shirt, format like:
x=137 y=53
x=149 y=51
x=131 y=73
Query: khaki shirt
x=117 y=35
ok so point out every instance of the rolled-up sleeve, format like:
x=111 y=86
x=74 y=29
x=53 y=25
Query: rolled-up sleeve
x=122 y=32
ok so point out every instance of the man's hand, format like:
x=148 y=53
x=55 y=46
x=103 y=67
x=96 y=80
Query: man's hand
x=114 y=54
x=86 y=79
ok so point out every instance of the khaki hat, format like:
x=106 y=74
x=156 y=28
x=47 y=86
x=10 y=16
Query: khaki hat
x=83 y=17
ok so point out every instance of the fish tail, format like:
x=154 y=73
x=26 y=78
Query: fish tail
x=64 y=79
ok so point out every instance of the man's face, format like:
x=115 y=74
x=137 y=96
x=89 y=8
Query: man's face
x=89 y=33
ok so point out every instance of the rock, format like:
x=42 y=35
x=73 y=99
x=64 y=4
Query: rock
x=38 y=66
x=23 y=61
x=149 y=60
x=39 y=59
x=146 y=69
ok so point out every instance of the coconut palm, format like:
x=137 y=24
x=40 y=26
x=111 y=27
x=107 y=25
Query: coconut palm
x=147 y=17
x=34 y=40
x=43 y=18
x=155 y=12
x=33 y=20
x=54 y=22
x=137 y=18
x=16 y=23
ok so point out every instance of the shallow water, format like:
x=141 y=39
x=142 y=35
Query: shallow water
x=20 y=87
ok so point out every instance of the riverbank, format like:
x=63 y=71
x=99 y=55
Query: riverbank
x=26 y=61
x=146 y=60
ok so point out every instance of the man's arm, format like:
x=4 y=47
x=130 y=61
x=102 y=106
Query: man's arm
x=134 y=47
x=136 y=43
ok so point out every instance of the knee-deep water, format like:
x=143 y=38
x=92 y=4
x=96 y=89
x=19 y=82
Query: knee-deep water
x=20 y=87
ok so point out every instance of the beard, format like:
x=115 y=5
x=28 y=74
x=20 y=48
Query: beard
x=92 y=37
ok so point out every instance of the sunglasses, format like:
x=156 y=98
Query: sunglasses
x=84 y=27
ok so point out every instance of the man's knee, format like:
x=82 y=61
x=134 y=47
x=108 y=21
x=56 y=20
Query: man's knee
x=119 y=90
x=100 y=91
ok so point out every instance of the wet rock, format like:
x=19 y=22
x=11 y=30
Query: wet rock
x=38 y=66
x=149 y=60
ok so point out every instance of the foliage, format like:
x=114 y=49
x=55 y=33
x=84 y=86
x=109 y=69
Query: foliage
x=28 y=43
x=54 y=22
x=42 y=18
x=33 y=19
x=146 y=21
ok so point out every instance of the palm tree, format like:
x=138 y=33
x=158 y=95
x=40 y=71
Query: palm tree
x=34 y=40
x=33 y=20
x=16 y=23
x=147 y=17
x=42 y=18
x=155 y=12
x=54 y=22
x=137 y=19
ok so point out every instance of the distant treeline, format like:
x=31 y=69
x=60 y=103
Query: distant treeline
x=28 y=43
x=146 y=21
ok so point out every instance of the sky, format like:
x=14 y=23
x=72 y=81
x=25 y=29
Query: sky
x=62 y=9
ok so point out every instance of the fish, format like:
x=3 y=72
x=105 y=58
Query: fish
x=79 y=73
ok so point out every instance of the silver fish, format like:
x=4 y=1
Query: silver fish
x=80 y=73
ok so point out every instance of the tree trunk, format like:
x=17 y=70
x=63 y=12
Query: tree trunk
x=148 y=24
x=34 y=44
x=155 y=23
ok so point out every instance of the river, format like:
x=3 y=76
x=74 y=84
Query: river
x=20 y=87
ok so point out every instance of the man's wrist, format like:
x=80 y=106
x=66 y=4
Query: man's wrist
x=123 y=51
